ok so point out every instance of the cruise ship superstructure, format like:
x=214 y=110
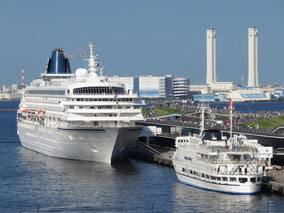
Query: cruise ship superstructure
x=78 y=116
x=213 y=162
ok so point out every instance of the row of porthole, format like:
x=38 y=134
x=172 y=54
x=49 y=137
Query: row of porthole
x=231 y=179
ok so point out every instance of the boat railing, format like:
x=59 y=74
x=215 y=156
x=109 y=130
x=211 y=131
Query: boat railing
x=228 y=149
x=240 y=162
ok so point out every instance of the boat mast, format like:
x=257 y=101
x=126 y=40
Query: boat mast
x=231 y=118
x=202 y=119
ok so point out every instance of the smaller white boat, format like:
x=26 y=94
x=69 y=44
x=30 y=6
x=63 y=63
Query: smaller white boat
x=211 y=161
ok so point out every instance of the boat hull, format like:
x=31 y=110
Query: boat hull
x=247 y=188
x=105 y=144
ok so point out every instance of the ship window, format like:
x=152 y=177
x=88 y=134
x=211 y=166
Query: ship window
x=203 y=175
x=253 y=180
x=190 y=171
x=233 y=179
x=46 y=92
x=224 y=179
x=243 y=180
x=68 y=91
x=258 y=179
x=236 y=157
x=92 y=107
x=207 y=176
x=96 y=123
x=194 y=172
x=218 y=178
x=98 y=90
x=212 y=178
x=183 y=169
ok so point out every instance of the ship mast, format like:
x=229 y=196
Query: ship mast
x=202 y=119
x=93 y=65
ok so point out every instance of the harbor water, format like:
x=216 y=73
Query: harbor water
x=32 y=182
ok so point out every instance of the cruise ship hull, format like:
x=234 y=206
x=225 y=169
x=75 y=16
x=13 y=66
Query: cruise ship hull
x=104 y=144
x=247 y=188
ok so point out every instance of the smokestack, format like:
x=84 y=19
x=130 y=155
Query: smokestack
x=211 y=56
x=23 y=76
x=252 y=57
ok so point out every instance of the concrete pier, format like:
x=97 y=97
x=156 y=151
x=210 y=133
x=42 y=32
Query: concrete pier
x=153 y=154
x=275 y=180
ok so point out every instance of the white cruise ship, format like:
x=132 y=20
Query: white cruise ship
x=78 y=116
x=210 y=161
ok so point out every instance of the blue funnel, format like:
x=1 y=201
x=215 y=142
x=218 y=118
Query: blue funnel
x=58 y=64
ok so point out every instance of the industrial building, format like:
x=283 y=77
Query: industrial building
x=223 y=91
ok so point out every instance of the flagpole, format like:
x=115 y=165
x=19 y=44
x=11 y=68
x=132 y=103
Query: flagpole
x=231 y=118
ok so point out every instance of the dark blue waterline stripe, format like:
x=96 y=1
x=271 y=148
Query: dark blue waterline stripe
x=85 y=130
x=208 y=189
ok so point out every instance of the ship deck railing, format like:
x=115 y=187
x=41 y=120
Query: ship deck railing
x=240 y=162
x=229 y=149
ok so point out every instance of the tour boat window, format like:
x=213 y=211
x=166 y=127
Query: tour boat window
x=233 y=179
x=183 y=169
x=190 y=171
x=218 y=178
x=253 y=180
x=207 y=176
x=203 y=175
x=236 y=157
x=258 y=179
x=212 y=178
x=224 y=179
x=243 y=180
x=96 y=123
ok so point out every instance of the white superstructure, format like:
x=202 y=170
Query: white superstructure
x=210 y=161
x=252 y=57
x=78 y=116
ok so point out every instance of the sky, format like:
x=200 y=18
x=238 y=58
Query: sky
x=149 y=37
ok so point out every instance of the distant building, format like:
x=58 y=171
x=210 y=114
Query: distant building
x=181 y=87
x=249 y=95
x=165 y=87
x=13 y=92
x=131 y=83
x=154 y=87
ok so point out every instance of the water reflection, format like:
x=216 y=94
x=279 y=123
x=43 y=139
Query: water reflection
x=75 y=184
x=188 y=198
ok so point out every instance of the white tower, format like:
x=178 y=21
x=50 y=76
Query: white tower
x=211 y=56
x=252 y=58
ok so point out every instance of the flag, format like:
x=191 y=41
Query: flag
x=230 y=104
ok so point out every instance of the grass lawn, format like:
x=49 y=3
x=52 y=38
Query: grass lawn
x=144 y=111
x=270 y=123
x=166 y=111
